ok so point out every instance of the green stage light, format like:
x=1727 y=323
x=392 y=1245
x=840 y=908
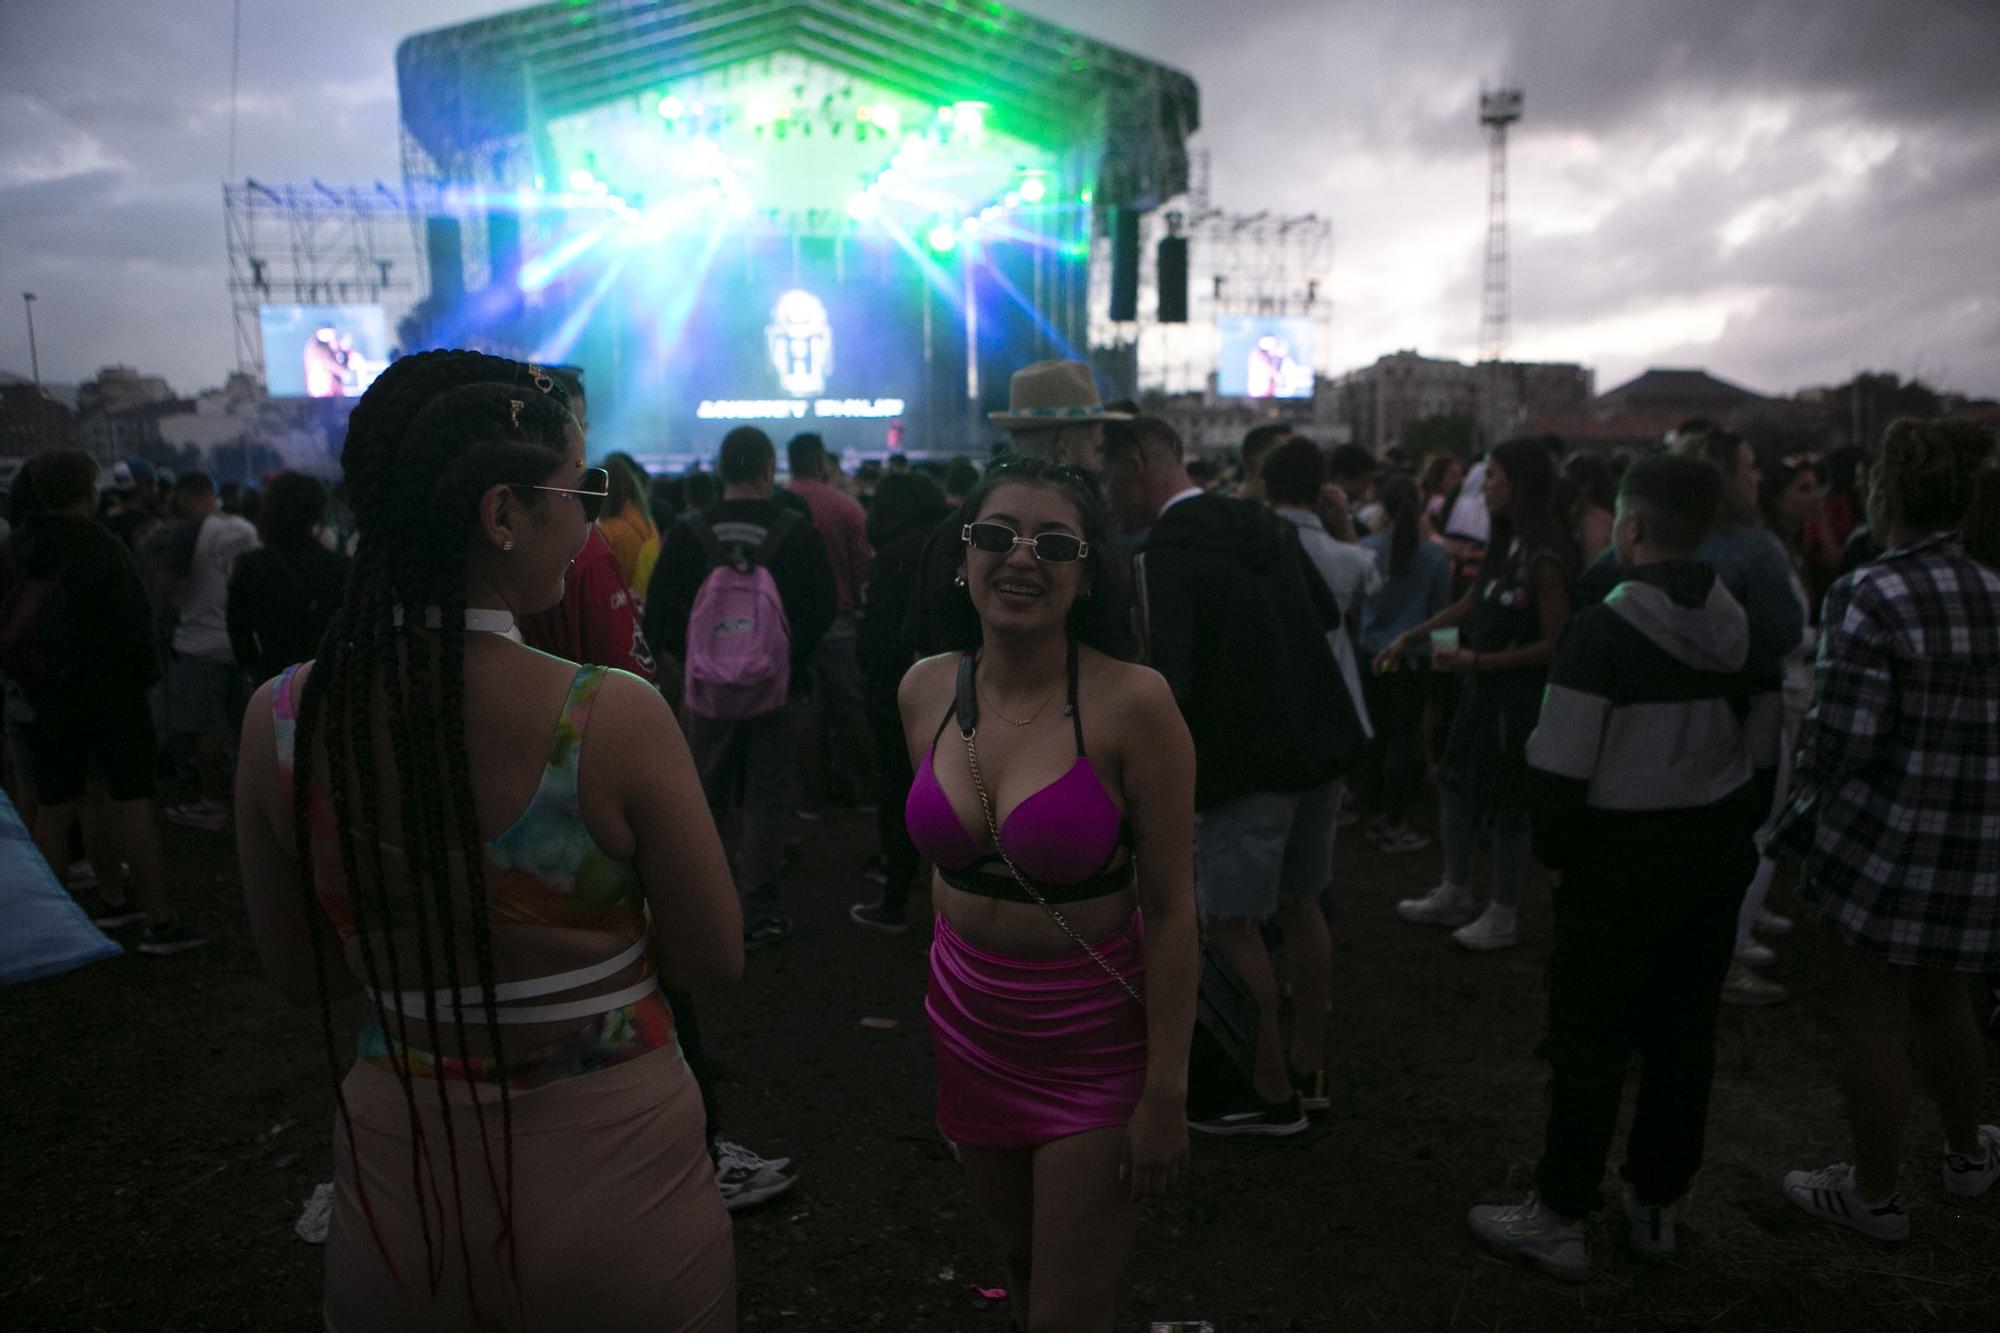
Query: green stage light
x=863 y=207
x=1034 y=189
x=1013 y=199
x=943 y=238
x=580 y=179
x=672 y=108
x=969 y=119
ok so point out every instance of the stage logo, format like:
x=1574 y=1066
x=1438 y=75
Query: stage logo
x=800 y=339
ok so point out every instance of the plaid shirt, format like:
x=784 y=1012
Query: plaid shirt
x=1897 y=812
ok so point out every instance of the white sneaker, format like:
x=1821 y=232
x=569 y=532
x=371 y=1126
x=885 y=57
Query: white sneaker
x=745 y=1179
x=1531 y=1232
x=730 y=1151
x=1755 y=953
x=1830 y=1196
x=1652 y=1228
x=1770 y=923
x=1744 y=987
x=1446 y=905
x=1493 y=930
x=1970 y=1177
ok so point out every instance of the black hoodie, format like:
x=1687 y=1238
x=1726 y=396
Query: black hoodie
x=1236 y=620
x=900 y=534
x=100 y=617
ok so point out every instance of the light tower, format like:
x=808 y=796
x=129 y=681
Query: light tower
x=1497 y=110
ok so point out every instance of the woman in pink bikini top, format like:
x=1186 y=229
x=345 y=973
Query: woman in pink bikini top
x=1064 y=962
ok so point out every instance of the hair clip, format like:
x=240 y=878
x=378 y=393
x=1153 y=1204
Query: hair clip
x=540 y=379
x=514 y=406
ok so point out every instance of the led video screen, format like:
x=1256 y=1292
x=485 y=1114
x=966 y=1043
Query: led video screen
x=786 y=336
x=323 y=351
x=1265 y=357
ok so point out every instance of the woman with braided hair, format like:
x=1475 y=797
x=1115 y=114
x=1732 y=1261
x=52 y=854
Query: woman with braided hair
x=513 y=854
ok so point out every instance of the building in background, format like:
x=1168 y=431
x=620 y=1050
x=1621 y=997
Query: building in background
x=120 y=389
x=1380 y=401
x=1210 y=423
x=31 y=420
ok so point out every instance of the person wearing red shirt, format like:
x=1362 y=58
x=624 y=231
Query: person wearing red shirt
x=597 y=621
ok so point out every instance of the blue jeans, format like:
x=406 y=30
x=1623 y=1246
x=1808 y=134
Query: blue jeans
x=1459 y=824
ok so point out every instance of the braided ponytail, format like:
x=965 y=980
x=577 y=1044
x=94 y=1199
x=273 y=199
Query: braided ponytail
x=431 y=435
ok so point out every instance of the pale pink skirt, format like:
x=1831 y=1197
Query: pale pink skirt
x=617 y=1219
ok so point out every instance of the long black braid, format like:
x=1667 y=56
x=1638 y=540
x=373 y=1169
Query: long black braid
x=430 y=436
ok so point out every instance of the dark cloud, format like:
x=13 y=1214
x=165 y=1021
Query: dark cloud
x=1784 y=190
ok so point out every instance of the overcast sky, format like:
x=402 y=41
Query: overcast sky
x=1784 y=191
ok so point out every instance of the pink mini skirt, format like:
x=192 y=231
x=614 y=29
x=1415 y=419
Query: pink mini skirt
x=1031 y=1050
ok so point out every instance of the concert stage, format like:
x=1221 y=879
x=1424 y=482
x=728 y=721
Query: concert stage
x=799 y=214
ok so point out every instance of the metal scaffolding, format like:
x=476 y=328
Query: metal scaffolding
x=317 y=244
x=1238 y=264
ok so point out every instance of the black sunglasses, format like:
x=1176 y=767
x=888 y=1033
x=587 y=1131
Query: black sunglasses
x=591 y=494
x=1051 y=548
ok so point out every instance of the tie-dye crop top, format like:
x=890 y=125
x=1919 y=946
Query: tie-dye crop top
x=544 y=869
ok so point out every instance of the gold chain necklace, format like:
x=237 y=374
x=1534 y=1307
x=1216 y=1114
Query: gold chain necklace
x=1010 y=721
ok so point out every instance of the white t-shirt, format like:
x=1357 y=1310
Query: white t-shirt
x=1352 y=576
x=1468 y=517
x=206 y=563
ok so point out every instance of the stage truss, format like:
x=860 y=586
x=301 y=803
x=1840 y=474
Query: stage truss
x=1251 y=264
x=315 y=243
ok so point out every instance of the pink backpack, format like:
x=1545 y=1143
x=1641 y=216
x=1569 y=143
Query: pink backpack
x=739 y=644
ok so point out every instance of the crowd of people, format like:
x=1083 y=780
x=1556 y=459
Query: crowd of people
x=517 y=739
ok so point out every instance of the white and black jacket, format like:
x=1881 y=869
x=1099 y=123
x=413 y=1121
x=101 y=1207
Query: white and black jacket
x=1651 y=727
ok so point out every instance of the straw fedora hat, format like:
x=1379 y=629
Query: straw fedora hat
x=1053 y=394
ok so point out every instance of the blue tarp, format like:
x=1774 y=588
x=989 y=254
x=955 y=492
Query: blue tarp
x=42 y=929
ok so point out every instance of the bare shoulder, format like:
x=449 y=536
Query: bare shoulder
x=629 y=719
x=925 y=679
x=257 y=716
x=1136 y=696
x=632 y=696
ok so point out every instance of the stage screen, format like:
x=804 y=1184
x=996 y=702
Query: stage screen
x=323 y=351
x=785 y=336
x=1265 y=356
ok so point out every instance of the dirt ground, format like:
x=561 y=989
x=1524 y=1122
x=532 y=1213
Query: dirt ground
x=164 y=1119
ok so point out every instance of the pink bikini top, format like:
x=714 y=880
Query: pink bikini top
x=1068 y=839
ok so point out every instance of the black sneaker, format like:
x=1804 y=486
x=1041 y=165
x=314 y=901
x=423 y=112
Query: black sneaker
x=1271 y=1120
x=1311 y=1090
x=874 y=916
x=765 y=931
x=171 y=936
x=107 y=915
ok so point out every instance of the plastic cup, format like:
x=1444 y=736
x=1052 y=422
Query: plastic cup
x=1444 y=640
